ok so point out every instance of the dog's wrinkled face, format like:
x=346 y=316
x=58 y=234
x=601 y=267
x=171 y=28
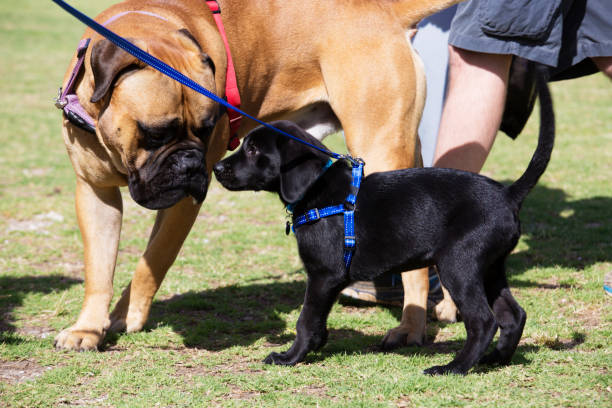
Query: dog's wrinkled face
x=271 y=162
x=156 y=130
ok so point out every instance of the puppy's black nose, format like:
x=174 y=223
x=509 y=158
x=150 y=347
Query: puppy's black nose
x=219 y=168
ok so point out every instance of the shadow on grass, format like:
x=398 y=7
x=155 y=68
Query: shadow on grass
x=231 y=316
x=563 y=232
x=14 y=289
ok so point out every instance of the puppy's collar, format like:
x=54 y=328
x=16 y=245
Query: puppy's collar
x=292 y=205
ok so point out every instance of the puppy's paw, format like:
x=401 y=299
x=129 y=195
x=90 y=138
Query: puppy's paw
x=279 y=359
x=79 y=340
x=442 y=370
x=401 y=337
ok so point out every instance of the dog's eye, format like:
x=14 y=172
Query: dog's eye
x=157 y=136
x=251 y=150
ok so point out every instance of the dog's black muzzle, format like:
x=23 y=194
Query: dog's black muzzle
x=164 y=181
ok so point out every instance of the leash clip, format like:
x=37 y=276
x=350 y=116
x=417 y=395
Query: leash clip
x=59 y=102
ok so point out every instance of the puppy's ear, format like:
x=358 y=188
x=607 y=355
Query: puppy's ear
x=300 y=165
x=107 y=61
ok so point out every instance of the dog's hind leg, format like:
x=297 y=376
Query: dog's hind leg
x=379 y=103
x=321 y=293
x=461 y=277
x=508 y=313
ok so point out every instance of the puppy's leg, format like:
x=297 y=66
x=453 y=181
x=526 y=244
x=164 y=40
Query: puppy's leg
x=509 y=315
x=99 y=213
x=169 y=232
x=468 y=292
x=412 y=326
x=379 y=102
x=321 y=293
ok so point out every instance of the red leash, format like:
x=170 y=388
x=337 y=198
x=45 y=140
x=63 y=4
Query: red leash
x=231 y=85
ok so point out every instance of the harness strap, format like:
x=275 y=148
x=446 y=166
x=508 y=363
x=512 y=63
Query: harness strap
x=231 y=84
x=349 y=215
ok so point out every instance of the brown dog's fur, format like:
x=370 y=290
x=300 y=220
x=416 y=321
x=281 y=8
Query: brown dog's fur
x=345 y=63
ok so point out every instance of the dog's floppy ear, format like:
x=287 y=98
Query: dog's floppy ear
x=300 y=165
x=107 y=61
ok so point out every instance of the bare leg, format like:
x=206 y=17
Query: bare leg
x=470 y=119
x=604 y=64
x=473 y=109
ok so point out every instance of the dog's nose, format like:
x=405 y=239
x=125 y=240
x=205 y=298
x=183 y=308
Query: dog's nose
x=219 y=168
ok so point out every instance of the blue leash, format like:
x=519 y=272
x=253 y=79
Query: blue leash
x=179 y=77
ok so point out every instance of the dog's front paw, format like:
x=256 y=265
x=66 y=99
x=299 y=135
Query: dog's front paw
x=400 y=337
x=279 y=359
x=445 y=369
x=79 y=340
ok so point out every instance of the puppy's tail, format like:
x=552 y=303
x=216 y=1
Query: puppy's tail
x=521 y=187
x=410 y=12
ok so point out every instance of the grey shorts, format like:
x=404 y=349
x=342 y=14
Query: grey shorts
x=558 y=33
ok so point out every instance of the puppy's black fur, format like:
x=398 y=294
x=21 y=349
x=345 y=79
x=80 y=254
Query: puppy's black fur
x=464 y=223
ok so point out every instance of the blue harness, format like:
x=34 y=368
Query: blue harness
x=347 y=208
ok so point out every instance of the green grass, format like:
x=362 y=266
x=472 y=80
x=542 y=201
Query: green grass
x=235 y=292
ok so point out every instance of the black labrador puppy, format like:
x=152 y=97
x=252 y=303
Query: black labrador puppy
x=464 y=223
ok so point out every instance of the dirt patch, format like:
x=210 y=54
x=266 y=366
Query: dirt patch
x=589 y=317
x=20 y=371
x=237 y=393
x=37 y=331
x=193 y=369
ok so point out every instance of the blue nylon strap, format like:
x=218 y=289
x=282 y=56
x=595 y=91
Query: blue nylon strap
x=177 y=76
x=316 y=214
x=349 y=216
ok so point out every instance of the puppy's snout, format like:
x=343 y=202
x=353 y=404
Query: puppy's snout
x=221 y=169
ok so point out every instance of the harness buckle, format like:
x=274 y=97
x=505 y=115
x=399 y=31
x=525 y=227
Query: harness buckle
x=59 y=102
x=211 y=6
x=349 y=243
x=313 y=215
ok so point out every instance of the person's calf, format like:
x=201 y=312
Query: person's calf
x=604 y=64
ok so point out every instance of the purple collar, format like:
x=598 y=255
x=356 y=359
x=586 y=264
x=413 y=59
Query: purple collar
x=67 y=100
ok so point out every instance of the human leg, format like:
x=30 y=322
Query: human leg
x=473 y=109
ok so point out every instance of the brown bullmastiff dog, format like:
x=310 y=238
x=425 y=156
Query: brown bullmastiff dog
x=325 y=64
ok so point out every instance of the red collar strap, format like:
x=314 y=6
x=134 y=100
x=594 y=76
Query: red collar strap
x=231 y=85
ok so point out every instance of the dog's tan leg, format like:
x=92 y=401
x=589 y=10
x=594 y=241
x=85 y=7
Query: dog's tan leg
x=380 y=117
x=446 y=310
x=169 y=232
x=99 y=213
x=412 y=326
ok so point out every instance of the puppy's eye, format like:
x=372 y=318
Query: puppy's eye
x=251 y=150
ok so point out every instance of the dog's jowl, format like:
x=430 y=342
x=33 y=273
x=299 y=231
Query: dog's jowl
x=464 y=223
